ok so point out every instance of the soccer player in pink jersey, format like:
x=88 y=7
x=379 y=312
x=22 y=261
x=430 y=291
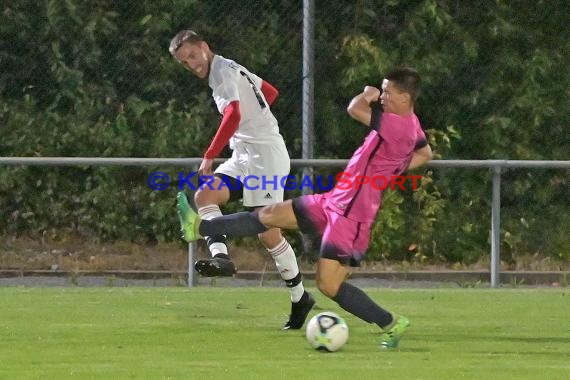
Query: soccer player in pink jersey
x=344 y=217
x=252 y=132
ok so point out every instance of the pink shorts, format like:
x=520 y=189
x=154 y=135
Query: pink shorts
x=343 y=239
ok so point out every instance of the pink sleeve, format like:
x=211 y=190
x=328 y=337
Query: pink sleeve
x=421 y=139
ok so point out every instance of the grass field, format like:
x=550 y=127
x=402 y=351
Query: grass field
x=233 y=333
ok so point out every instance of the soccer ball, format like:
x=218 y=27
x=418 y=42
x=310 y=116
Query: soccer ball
x=327 y=331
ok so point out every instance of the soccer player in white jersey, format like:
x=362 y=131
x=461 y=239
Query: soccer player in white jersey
x=247 y=124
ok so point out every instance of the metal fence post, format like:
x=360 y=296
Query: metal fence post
x=191 y=255
x=496 y=228
x=308 y=84
x=308 y=99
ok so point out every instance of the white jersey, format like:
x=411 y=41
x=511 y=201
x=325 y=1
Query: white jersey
x=229 y=82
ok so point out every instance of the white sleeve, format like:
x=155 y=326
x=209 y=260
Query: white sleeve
x=227 y=91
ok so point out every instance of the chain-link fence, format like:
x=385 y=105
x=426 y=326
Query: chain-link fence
x=94 y=78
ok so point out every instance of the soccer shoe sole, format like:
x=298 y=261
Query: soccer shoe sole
x=215 y=268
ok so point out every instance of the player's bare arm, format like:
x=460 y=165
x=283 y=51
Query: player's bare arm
x=359 y=108
x=420 y=157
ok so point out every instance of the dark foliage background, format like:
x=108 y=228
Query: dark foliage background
x=94 y=78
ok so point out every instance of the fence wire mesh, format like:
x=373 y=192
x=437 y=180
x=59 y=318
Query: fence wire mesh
x=94 y=78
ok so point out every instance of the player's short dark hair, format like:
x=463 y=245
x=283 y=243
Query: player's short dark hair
x=183 y=36
x=407 y=80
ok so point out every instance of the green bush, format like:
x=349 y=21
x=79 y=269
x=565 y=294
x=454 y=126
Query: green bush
x=95 y=79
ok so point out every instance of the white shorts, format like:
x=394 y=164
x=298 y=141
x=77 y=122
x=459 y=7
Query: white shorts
x=261 y=168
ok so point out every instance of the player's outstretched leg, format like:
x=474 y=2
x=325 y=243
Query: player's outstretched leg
x=357 y=302
x=331 y=276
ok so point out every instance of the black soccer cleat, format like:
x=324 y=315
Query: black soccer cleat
x=299 y=312
x=218 y=266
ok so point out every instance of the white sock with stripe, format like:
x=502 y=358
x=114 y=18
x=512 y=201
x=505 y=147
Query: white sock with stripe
x=286 y=263
x=207 y=213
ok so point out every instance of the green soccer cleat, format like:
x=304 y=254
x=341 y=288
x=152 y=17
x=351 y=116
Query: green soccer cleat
x=189 y=219
x=392 y=336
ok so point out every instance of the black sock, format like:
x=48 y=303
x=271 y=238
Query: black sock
x=355 y=301
x=235 y=225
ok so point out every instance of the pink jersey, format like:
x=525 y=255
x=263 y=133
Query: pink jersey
x=386 y=151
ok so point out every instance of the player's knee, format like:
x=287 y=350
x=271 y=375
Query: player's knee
x=204 y=197
x=327 y=287
x=266 y=215
x=271 y=238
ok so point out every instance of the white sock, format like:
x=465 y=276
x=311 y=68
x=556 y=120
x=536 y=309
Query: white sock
x=286 y=263
x=211 y=212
